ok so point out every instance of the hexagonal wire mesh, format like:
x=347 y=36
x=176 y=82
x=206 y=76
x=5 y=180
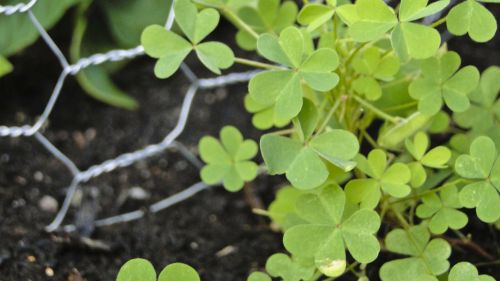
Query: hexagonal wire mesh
x=126 y=159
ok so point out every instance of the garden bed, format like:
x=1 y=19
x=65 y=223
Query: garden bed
x=215 y=231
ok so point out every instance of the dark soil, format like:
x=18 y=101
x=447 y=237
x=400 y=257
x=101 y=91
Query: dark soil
x=215 y=231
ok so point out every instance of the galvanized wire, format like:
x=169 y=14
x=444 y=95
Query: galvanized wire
x=123 y=160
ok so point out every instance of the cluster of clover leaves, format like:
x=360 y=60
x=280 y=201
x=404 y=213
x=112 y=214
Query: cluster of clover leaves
x=358 y=91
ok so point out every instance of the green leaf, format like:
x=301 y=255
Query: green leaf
x=177 y=272
x=483 y=166
x=215 y=55
x=337 y=147
x=484 y=112
x=307 y=120
x=258 y=276
x=48 y=14
x=368 y=19
x=127 y=19
x=170 y=48
x=315 y=15
x=412 y=40
x=137 y=269
x=264 y=117
x=464 y=271
x=281 y=265
x=316 y=70
x=326 y=234
x=441 y=80
x=228 y=160
x=282 y=209
x=442 y=210
x=5 y=66
x=435 y=158
x=392 y=179
x=411 y=10
x=472 y=18
x=267 y=16
x=367 y=86
x=427 y=259
x=196 y=25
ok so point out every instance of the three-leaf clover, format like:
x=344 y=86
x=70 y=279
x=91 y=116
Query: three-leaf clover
x=464 y=271
x=228 y=160
x=441 y=80
x=171 y=49
x=369 y=20
x=413 y=40
x=330 y=230
x=373 y=66
x=484 y=111
x=288 y=269
x=268 y=16
x=435 y=158
x=282 y=209
x=482 y=164
x=391 y=179
x=302 y=162
x=472 y=18
x=427 y=259
x=282 y=88
x=442 y=210
x=141 y=269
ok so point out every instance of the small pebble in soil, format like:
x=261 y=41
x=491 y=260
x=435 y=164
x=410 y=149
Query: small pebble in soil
x=49 y=272
x=31 y=259
x=226 y=251
x=138 y=193
x=48 y=204
x=38 y=176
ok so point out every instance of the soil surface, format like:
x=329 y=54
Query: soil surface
x=215 y=231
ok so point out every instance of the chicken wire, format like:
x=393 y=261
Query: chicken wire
x=81 y=176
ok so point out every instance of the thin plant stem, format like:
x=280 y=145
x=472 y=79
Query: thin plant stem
x=330 y=114
x=378 y=112
x=438 y=22
x=257 y=64
x=239 y=22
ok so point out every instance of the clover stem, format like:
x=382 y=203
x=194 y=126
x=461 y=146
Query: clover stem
x=369 y=138
x=437 y=189
x=257 y=64
x=330 y=114
x=377 y=111
x=239 y=22
x=438 y=22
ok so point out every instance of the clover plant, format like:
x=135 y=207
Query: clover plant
x=382 y=137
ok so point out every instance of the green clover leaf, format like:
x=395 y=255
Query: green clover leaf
x=372 y=66
x=327 y=233
x=5 y=66
x=484 y=112
x=282 y=209
x=315 y=15
x=442 y=210
x=137 y=269
x=268 y=16
x=258 y=276
x=303 y=163
x=368 y=19
x=472 y=18
x=393 y=180
x=427 y=259
x=441 y=80
x=264 y=117
x=413 y=40
x=482 y=164
x=171 y=49
x=282 y=89
x=281 y=265
x=178 y=272
x=435 y=158
x=228 y=161
x=141 y=269
x=464 y=271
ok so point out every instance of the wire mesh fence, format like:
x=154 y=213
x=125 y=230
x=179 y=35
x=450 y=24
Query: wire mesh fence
x=124 y=160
